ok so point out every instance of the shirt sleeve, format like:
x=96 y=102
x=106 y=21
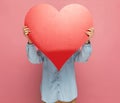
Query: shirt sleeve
x=34 y=56
x=83 y=54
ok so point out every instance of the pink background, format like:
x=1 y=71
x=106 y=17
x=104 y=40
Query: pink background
x=98 y=80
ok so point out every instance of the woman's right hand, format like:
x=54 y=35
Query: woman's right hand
x=26 y=31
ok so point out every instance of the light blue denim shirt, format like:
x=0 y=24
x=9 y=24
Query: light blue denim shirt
x=58 y=85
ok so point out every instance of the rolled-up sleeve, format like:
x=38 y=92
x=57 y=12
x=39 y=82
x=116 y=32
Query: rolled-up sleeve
x=83 y=54
x=34 y=55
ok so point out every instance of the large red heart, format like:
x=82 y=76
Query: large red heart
x=58 y=34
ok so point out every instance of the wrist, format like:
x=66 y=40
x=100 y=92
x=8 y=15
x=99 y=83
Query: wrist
x=87 y=42
x=29 y=42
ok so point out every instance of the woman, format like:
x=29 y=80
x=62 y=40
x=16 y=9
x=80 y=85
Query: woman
x=58 y=86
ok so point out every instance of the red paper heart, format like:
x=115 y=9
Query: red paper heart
x=58 y=34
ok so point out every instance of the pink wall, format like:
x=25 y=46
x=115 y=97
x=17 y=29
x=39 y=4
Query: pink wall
x=98 y=80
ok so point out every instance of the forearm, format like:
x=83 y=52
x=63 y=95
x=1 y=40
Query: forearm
x=32 y=55
x=83 y=54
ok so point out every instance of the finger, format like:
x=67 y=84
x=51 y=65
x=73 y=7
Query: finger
x=26 y=29
x=88 y=33
x=91 y=29
x=26 y=34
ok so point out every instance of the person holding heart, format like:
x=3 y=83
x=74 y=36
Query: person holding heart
x=58 y=86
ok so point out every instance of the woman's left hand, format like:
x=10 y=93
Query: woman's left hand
x=90 y=32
